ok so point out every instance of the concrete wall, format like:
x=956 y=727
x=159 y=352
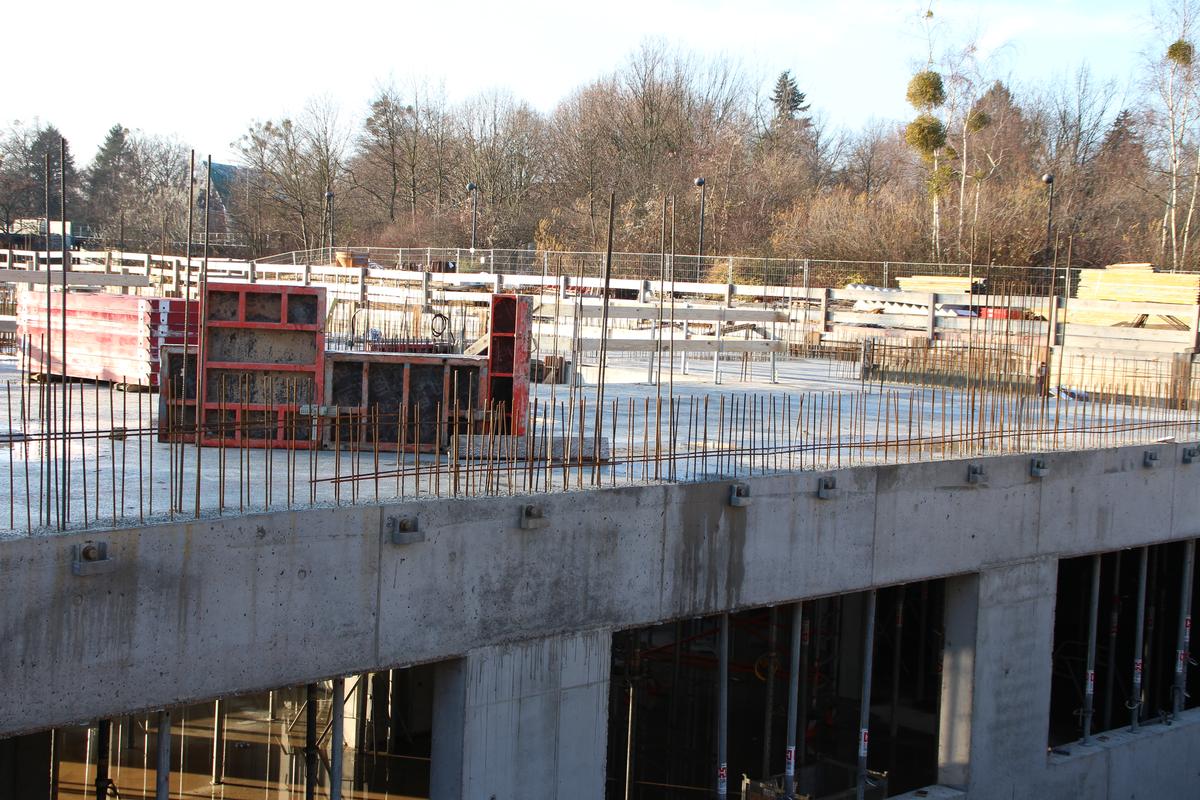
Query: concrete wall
x=195 y=610
x=996 y=705
x=515 y=717
x=190 y=611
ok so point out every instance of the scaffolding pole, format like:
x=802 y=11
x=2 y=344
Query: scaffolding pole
x=789 y=762
x=1089 y=686
x=864 y=712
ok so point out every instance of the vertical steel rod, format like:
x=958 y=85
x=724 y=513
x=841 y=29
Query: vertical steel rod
x=789 y=762
x=103 y=736
x=723 y=710
x=66 y=263
x=864 y=713
x=1135 y=696
x=1089 y=686
x=768 y=713
x=1114 y=621
x=894 y=723
x=162 y=768
x=337 y=738
x=55 y=746
x=1183 y=639
x=631 y=694
x=218 y=750
x=310 y=742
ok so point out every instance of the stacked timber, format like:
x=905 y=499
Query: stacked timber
x=1138 y=283
x=939 y=284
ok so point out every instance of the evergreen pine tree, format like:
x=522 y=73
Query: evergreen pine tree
x=787 y=98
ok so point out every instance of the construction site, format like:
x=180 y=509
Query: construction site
x=382 y=523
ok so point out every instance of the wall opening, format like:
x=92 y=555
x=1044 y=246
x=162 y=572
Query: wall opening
x=664 y=690
x=259 y=751
x=1115 y=621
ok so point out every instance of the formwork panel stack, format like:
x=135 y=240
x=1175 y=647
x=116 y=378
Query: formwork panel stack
x=110 y=337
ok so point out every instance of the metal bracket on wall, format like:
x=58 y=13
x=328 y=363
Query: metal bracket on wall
x=827 y=487
x=1150 y=459
x=404 y=530
x=976 y=474
x=1038 y=468
x=532 y=518
x=739 y=495
x=1191 y=455
x=91 y=558
x=306 y=410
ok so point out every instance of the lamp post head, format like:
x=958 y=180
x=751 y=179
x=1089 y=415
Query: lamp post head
x=471 y=187
x=699 y=181
x=329 y=195
x=1048 y=179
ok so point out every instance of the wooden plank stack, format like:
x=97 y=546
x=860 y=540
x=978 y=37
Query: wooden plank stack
x=1138 y=283
x=938 y=284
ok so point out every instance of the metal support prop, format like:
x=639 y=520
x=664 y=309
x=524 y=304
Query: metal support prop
x=1114 y=621
x=807 y=658
x=218 y=751
x=310 y=741
x=162 y=764
x=864 y=713
x=1089 y=685
x=1184 y=635
x=630 y=727
x=687 y=334
x=774 y=362
x=768 y=714
x=55 y=755
x=337 y=738
x=789 y=762
x=717 y=354
x=128 y=728
x=723 y=711
x=1135 y=697
x=894 y=723
x=103 y=745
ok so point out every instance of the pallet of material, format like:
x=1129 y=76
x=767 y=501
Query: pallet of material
x=1138 y=283
x=939 y=284
x=110 y=337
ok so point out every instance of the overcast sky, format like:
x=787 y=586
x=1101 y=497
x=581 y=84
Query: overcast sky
x=203 y=71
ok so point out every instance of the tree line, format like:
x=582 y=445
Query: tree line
x=961 y=181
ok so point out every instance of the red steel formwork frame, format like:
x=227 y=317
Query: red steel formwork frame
x=110 y=337
x=366 y=392
x=263 y=358
x=510 y=327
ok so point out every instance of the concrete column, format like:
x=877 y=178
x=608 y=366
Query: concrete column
x=994 y=728
x=531 y=716
x=961 y=615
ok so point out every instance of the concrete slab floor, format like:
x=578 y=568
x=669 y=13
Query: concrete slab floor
x=818 y=416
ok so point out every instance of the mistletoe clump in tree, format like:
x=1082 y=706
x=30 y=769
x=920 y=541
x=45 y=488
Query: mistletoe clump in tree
x=927 y=135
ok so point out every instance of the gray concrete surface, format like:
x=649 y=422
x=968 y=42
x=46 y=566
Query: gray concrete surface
x=190 y=611
x=511 y=717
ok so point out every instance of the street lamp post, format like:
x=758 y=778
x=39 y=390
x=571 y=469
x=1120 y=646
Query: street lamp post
x=329 y=204
x=700 y=244
x=474 y=192
x=1048 y=179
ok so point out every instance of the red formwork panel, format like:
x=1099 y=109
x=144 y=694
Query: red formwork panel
x=368 y=393
x=263 y=358
x=510 y=326
x=110 y=337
